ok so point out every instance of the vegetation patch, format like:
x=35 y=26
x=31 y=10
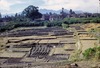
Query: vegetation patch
x=92 y=53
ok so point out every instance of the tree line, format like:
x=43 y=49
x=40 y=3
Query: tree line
x=31 y=13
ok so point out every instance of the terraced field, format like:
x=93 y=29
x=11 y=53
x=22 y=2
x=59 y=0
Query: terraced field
x=34 y=47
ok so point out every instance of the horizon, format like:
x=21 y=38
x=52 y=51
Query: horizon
x=16 y=6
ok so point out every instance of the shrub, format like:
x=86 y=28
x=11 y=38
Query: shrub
x=92 y=53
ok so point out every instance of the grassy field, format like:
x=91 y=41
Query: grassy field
x=90 y=26
x=88 y=44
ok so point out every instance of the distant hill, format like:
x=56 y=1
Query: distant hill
x=44 y=11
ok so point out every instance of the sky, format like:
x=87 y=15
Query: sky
x=15 y=6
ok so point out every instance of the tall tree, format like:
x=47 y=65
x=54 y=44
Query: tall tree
x=16 y=15
x=1 y=18
x=0 y=15
x=71 y=11
x=31 y=12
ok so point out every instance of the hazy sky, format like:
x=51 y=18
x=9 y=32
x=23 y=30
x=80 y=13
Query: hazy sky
x=13 y=6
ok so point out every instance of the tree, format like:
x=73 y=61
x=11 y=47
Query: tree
x=71 y=11
x=31 y=12
x=0 y=15
x=16 y=15
x=1 y=18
